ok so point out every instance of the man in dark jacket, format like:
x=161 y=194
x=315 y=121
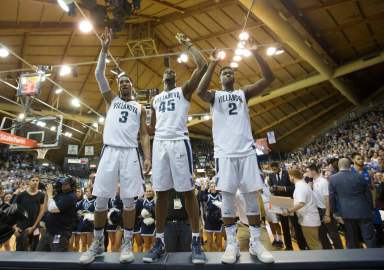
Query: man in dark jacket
x=280 y=185
x=352 y=194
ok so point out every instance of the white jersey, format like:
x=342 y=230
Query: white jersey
x=122 y=123
x=171 y=109
x=232 y=134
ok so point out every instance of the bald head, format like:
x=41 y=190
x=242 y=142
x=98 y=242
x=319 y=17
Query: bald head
x=344 y=164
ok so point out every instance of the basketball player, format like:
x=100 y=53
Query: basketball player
x=235 y=152
x=120 y=158
x=172 y=154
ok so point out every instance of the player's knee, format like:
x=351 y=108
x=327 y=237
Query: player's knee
x=101 y=204
x=228 y=209
x=129 y=204
x=251 y=206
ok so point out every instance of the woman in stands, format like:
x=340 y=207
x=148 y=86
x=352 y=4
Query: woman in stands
x=148 y=218
x=213 y=223
x=87 y=209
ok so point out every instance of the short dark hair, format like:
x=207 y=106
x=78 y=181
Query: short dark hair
x=313 y=167
x=355 y=154
x=225 y=67
x=274 y=164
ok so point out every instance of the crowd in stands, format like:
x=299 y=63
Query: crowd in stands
x=317 y=218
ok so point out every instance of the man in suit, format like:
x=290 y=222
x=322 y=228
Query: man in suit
x=352 y=193
x=280 y=185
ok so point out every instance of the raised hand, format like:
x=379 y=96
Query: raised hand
x=214 y=56
x=106 y=38
x=183 y=40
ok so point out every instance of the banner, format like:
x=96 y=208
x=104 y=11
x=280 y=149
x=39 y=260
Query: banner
x=8 y=138
x=88 y=151
x=271 y=137
x=73 y=149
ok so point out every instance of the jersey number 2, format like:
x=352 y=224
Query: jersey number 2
x=170 y=106
x=124 y=117
x=232 y=108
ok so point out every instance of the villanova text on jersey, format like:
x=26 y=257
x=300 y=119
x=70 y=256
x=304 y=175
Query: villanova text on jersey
x=229 y=97
x=122 y=105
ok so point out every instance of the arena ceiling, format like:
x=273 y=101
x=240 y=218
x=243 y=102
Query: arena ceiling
x=332 y=61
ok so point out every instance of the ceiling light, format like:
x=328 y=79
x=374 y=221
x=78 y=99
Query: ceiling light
x=246 y=53
x=239 y=52
x=85 y=26
x=271 y=51
x=58 y=91
x=53 y=128
x=75 y=102
x=234 y=65
x=101 y=120
x=237 y=58
x=244 y=36
x=65 y=70
x=206 y=117
x=107 y=60
x=183 y=57
x=4 y=52
x=41 y=123
x=63 y=4
x=241 y=45
x=221 y=55
x=190 y=118
x=21 y=116
x=68 y=134
x=279 y=52
x=95 y=125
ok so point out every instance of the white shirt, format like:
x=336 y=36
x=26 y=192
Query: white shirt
x=122 y=123
x=231 y=127
x=171 y=109
x=320 y=188
x=308 y=215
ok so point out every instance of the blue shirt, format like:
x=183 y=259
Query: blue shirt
x=364 y=174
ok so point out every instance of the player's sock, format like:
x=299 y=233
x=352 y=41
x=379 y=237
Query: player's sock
x=128 y=234
x=161 y=236
x=255 y=232
x=98 y=232
x=195 y=235
x=230 y=231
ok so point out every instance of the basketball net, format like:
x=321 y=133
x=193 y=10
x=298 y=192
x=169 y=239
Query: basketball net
x=41 y=152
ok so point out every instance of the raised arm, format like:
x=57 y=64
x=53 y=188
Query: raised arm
x=256 y=89
x=202 y=89
x=105 y=89
x=200 y=61
x=145 y=141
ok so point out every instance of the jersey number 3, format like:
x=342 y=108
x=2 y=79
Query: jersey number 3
x=232 y=108
x=124 y=117
x=170 y=106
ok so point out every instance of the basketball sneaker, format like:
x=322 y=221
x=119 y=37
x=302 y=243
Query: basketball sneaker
x=126 y=254
x=256 y=248
x=96 y=249
x=198 y=256
x=232 y=252
x=156 y=252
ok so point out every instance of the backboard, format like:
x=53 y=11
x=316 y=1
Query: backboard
x=46 y=130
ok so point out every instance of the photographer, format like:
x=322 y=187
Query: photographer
x=60 y=216
x=32 y=202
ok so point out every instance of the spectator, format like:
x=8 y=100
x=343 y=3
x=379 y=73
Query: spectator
x=353 y=194
x=147 y=230
x=6 y=202
x=178 y=234
x=328 y=228
x=305 y=206
x=213 y=223
x=281 y=186
x=60 y=216
x=32 y=202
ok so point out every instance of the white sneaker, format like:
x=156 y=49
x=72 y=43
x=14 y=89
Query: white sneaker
x=126 y=254
x=96 y=249
x=232 y=252
x=256 y=248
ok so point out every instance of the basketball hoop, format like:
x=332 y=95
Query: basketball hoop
x=41 y=152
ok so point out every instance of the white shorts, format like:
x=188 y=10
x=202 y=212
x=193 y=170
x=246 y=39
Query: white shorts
x=270 y=216
x=241 y=173
x=172 y=165
x=119 y=164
